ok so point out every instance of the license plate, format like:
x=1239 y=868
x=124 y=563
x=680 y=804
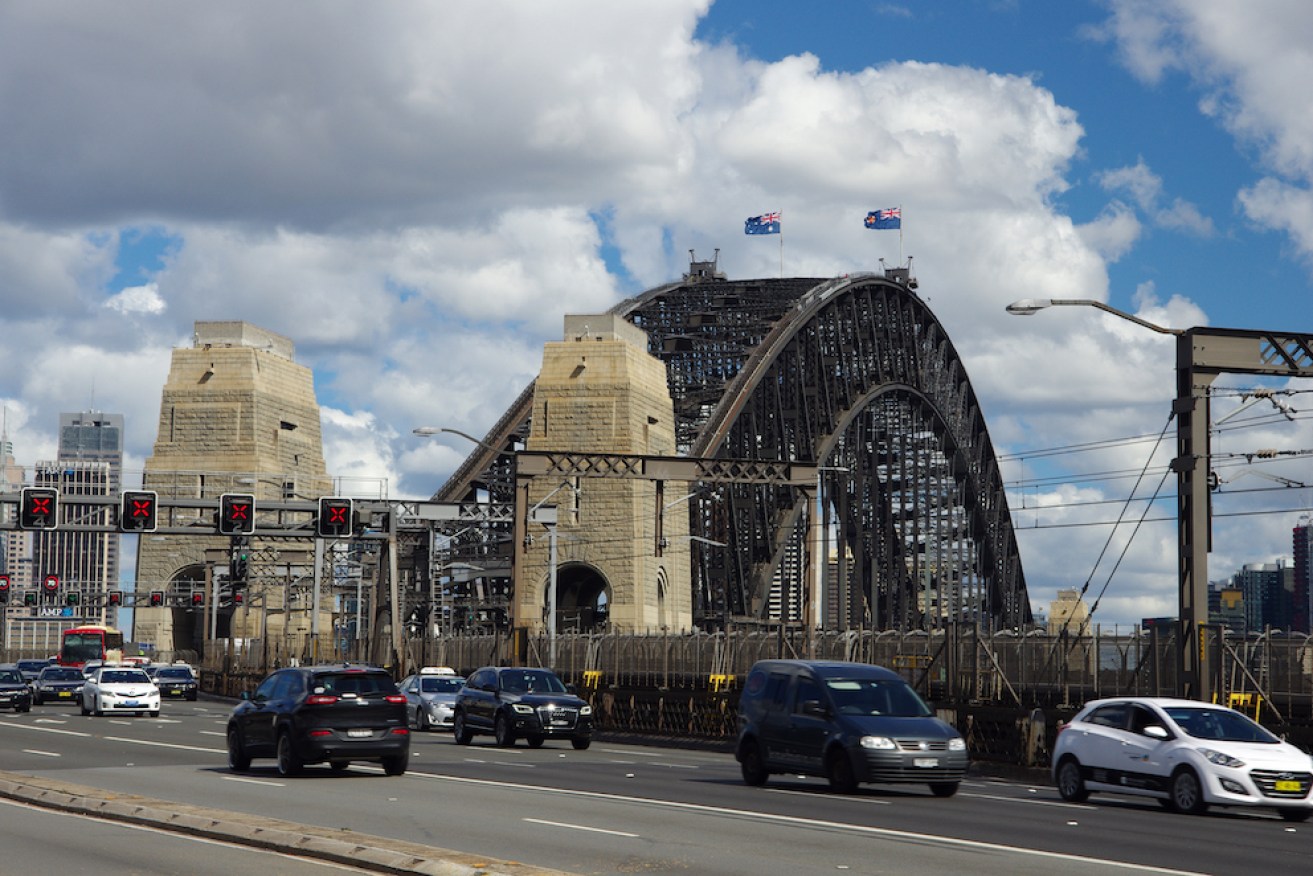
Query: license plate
x=925 y=762
x=1284 y=785
x=64 y=693
x=357 y=734
x=132 y=703
x=560 y=722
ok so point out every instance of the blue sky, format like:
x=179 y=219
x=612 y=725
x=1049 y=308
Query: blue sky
x=385 y=185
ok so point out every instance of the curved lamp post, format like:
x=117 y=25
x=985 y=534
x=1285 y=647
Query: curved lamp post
x=1201 y=355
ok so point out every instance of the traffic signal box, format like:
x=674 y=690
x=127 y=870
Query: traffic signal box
x=138 y=511
x=50 y=586
x=156 y=598
x=72 y=597
x=38 y=508
x=114 y=598
x=4 y=588
x=29 y=597
x=197 y=598
x=337 y=518
x=236 y=514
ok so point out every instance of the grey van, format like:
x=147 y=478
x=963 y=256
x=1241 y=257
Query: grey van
x=847 y=722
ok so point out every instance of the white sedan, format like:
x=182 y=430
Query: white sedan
x=1185 y=754
x=120 y=689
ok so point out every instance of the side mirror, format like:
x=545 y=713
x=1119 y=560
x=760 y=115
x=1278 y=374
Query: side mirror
x=246 y=694
x=814 y=708
x=1156 y=731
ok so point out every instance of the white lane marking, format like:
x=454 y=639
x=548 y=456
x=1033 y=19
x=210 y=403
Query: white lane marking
x=42 y=753
x=254 y=781
x=814 y=793
x=49 y=721
x=212 y=733
x=117 y=721
x=45 y=729
x=165 y=744
x=580 y=827
x=793 y=820
x=633 y=753
x=1060 y=803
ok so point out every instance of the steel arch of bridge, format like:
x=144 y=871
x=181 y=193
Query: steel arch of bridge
x=855 y=375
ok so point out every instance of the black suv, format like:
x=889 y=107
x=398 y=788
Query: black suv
x=312 y=714
x=848 y=722
x=514 y=702
x=14 y=690
x=57 y=684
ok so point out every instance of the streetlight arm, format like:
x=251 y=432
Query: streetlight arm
x=1031 y=306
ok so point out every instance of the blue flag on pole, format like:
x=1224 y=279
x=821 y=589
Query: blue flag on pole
x=766 y=223
x=881 y=219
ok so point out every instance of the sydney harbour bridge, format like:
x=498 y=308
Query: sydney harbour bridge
x=853 y=375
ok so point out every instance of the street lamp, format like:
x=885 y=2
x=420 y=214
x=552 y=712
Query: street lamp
x=1201 y=355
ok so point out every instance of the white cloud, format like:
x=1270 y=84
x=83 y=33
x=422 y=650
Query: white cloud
x=138 y=299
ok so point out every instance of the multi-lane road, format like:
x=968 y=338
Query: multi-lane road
x=620 y=808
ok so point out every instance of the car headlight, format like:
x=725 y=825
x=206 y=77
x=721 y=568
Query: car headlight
x=957 y=743
x=521 y=709
x=1221 y=758
x=879 y=743
x=585 y=710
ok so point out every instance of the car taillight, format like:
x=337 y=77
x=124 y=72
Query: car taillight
x=395 y=698
x=321 y=732
x=320 y=700
x=400 y=731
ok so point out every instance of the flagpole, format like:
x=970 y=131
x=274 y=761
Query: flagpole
x=781 y=244
x=900 y=235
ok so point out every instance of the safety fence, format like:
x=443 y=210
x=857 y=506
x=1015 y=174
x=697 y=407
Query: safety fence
x=1006 y=692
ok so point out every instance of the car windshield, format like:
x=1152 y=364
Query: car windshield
x=1222 y=725
x=123 y=676
x=531 y=681
x=180 y=674
x=869 y=696
x=11 y=676
x=31 y=665
x=444 y=684
x=51 y=673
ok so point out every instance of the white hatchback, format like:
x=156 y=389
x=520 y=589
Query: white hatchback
x=1185 y=754
x=120 y=689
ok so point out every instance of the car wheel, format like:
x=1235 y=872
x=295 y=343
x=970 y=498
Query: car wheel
x=395 y=766
x=155 y=713
x=36 y=701
x=502 y=732
x=421 y=720
x=85 y=710
x=97 y=710
x=1187 y=794
x=839 y=770
x=752 y=765
x=1070 y=784
x=339 y=766
x=581 y=744
x=459 y=731
x=1295 y=814
x=192 y=698
x=534 y=741
x=238 y=759
x=22 y=708
x=943 y=789
x=288 y=762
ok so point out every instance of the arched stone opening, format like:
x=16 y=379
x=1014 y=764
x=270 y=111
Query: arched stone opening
x=583 y=599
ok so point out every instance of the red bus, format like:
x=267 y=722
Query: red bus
x=92 y=642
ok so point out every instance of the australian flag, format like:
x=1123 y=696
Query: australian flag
x=891 y=218
x=766 y=223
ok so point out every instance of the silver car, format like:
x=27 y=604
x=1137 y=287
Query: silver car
x=431 y=698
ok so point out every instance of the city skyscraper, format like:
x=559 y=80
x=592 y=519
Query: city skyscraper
x=1302 y=551
x=89 y=463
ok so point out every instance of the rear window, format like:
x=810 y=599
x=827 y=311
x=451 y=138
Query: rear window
x=180 y=674
x=50 y=673
x=441 y=684
x=357 y=683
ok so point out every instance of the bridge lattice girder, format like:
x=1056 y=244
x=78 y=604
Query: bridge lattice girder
x=856 y=375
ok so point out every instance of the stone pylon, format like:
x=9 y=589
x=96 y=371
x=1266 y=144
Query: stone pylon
x=237 y=415
x=601 y=392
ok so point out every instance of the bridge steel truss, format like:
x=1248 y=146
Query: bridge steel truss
x=857 y=377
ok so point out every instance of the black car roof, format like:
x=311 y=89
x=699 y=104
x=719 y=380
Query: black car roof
x=830 y=668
